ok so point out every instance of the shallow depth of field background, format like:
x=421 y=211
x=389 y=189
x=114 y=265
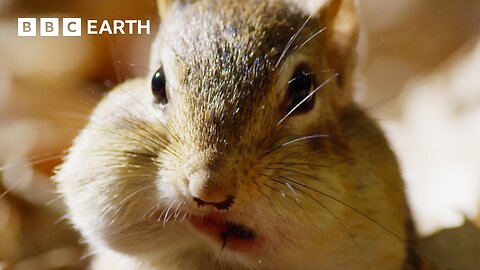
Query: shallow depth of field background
x=420 y=79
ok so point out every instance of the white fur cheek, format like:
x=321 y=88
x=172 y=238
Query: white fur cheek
x=93 y=201
x=92 y=212
x=107 y=209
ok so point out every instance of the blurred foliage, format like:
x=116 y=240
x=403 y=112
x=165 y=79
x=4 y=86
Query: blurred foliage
x=410 y=50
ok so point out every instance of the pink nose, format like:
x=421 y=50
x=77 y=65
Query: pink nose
x=207 y=190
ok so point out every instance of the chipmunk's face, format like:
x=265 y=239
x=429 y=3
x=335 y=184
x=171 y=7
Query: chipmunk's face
x=231 y=146
x=247 y=97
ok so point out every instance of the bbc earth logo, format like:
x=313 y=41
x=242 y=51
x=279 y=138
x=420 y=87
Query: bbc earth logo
x=72 y=27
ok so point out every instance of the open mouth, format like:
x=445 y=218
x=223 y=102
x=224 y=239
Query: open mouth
x=229 y=234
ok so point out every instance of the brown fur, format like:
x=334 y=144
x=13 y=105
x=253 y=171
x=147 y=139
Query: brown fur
x=223 y=132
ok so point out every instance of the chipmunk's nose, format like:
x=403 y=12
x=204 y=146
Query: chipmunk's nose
x=208 y=189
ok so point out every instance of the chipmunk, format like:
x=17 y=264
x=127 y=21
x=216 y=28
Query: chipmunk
x=244 y=149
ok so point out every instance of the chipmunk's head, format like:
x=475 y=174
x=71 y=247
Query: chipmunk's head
x=250 y=90
x=234 y=135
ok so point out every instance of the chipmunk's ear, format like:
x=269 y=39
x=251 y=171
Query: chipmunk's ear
x=341 y=21
x=165 y=5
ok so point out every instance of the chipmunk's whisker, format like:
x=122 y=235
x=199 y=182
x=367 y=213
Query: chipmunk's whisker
x=352 y=237
x=296 y=140
x=124 y=200
x=307 y=97
x=304 y=138
x=167 y=216
x=291 y=41
x=299 y=185
x=309 y=39
x=299 y=164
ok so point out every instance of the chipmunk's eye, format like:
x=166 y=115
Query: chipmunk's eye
x=300 y=97
x=159 y=90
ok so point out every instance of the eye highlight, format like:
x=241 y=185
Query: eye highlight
x=299 y=98
x=159 y=90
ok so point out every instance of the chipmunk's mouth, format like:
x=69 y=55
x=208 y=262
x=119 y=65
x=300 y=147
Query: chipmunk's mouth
x=230 y=235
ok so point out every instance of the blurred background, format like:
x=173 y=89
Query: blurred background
x=420 y=79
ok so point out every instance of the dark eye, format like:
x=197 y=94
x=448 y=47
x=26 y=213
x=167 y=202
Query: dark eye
x=158 y=87
x=300 y=97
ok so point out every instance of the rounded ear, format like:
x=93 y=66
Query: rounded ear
x=341 y=22
x=165 y=5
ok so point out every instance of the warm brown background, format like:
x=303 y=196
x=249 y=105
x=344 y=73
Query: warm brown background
x=420 y=79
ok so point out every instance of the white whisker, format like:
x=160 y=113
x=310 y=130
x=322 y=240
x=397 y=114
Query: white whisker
x=307 y=97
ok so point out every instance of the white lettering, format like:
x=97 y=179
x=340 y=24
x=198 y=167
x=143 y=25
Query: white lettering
x=118 y=26
x=146 y=27
x=130 y=25
x=105 y=28
x=73 y=27
x=92 y=27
